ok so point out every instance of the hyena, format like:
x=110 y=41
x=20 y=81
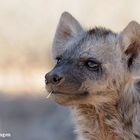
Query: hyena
x=97 y=75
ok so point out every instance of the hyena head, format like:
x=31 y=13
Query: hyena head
x=92 y=66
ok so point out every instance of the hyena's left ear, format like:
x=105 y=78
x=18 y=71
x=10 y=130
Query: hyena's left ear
x=129 y=41
x=68 y=27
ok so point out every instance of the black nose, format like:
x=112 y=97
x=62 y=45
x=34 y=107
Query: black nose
x=53 y=78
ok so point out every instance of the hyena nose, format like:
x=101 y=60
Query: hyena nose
x=53 y=79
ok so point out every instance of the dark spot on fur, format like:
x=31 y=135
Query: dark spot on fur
x=100 y=32
x=108 y=117
x=128 y=124
x=91 y=31
x=86 y=132
x=138 y=137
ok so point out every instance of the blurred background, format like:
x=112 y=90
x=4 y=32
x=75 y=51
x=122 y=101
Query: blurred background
x=27 y=28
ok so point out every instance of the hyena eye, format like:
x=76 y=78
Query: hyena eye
x=93 y=65
x=58 y=59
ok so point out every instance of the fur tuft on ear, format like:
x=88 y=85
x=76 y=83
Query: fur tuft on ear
x=129 y=41
x=67 y=28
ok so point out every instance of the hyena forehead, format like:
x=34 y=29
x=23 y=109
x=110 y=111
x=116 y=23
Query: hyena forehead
x=96 y=43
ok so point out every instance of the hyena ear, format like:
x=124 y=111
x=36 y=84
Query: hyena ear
x=129 y=41
x=68 y=27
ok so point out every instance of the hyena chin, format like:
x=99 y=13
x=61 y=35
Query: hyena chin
x=97 y=75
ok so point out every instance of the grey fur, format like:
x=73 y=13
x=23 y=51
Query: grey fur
x=105 y=100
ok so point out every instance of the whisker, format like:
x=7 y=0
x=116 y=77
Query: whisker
x=49 y=95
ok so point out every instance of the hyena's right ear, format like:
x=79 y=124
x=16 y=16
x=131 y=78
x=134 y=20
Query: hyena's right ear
x=67 y=28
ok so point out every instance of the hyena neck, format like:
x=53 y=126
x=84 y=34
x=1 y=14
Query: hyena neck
x=96 y=124
x=109 y=122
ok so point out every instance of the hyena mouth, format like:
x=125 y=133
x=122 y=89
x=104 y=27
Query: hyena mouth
x=70 y=94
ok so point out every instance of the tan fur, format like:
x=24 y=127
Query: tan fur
x=101 y=121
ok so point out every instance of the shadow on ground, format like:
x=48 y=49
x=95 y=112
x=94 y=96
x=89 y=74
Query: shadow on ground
x=28 y=118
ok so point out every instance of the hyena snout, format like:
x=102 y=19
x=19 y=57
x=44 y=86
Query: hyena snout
x=53 y=78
